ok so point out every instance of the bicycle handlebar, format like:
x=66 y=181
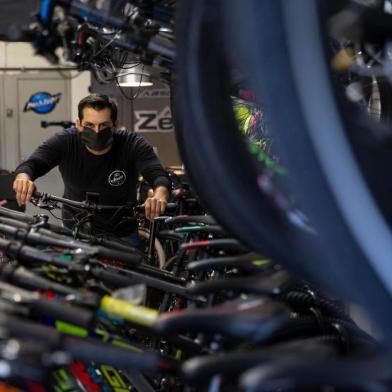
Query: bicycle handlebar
x=58 y=233
x=85 y=205
x=243 y=262
x=67 y=313
x=170 y=207
x=63 y=124
x=91 y=206
x=255 y=320
x=21 y=276
x=23 y=220
x=46 y=238
x=272 y=284
x=85 y=349
x=205 y=367
x=46 y=307
x=19 y=216
x=28 y=254
x=190 y=219
x=117 y=356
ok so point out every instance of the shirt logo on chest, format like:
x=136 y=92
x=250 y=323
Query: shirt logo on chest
x=117 y=178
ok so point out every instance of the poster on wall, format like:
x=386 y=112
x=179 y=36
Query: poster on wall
x=152 y=111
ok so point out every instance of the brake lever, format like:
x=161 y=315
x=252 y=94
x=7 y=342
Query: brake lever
x=46 y=206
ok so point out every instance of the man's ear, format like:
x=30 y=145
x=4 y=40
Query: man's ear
x=79 y=124
x=116 y=124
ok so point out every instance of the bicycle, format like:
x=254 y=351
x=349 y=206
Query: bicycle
x=205 y=321
x=321 y=134
x=220 y=318
x=84 y=224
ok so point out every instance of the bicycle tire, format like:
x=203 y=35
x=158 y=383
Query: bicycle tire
x=208 y=138
x=293 y=48
x=344 y=243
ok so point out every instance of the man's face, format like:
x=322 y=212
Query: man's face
x=95 y=119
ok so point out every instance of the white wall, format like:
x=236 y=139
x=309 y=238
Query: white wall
x=79 y=89
x=20 y=55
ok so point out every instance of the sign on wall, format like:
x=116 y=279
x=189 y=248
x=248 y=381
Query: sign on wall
x=152 y=111
x=154 y=120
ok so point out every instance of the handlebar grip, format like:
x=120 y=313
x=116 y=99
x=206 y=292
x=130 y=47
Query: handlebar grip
x=205 y=219
x=14 y=223
x=19 y=328
x=69 y=314
x=131 y=258
x=115 y=356
x=127 y=311
x=170 y=207
x=25 y=278
x=113 y=279
x=28 y=254
x=19 y=216
x=86 y=349
x=124 y=247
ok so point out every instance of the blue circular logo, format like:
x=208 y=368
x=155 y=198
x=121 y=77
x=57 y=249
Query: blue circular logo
x=42 y=102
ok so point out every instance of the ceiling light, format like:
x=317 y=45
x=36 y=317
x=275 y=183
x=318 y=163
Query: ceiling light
x=134 y=77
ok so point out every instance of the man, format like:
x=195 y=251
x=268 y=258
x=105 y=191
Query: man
x=96 y=157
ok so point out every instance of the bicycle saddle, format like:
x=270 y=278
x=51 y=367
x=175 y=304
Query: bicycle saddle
x=219 y=263
x=234 y=363
x=265 y=284
x=255 y=319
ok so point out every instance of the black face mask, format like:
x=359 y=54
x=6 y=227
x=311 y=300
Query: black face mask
x=97 y=141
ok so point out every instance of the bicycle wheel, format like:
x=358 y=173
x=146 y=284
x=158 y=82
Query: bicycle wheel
x=214 y=151
x=310 y=135
x=321 y=134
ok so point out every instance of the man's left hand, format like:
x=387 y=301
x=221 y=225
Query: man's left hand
x=155 y=205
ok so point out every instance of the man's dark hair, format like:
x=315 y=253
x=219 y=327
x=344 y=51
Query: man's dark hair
x=98 y=102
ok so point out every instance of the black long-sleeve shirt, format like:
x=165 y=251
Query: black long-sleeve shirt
x=113 y=175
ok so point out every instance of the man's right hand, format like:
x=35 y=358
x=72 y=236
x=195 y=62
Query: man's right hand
x=24 y=188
